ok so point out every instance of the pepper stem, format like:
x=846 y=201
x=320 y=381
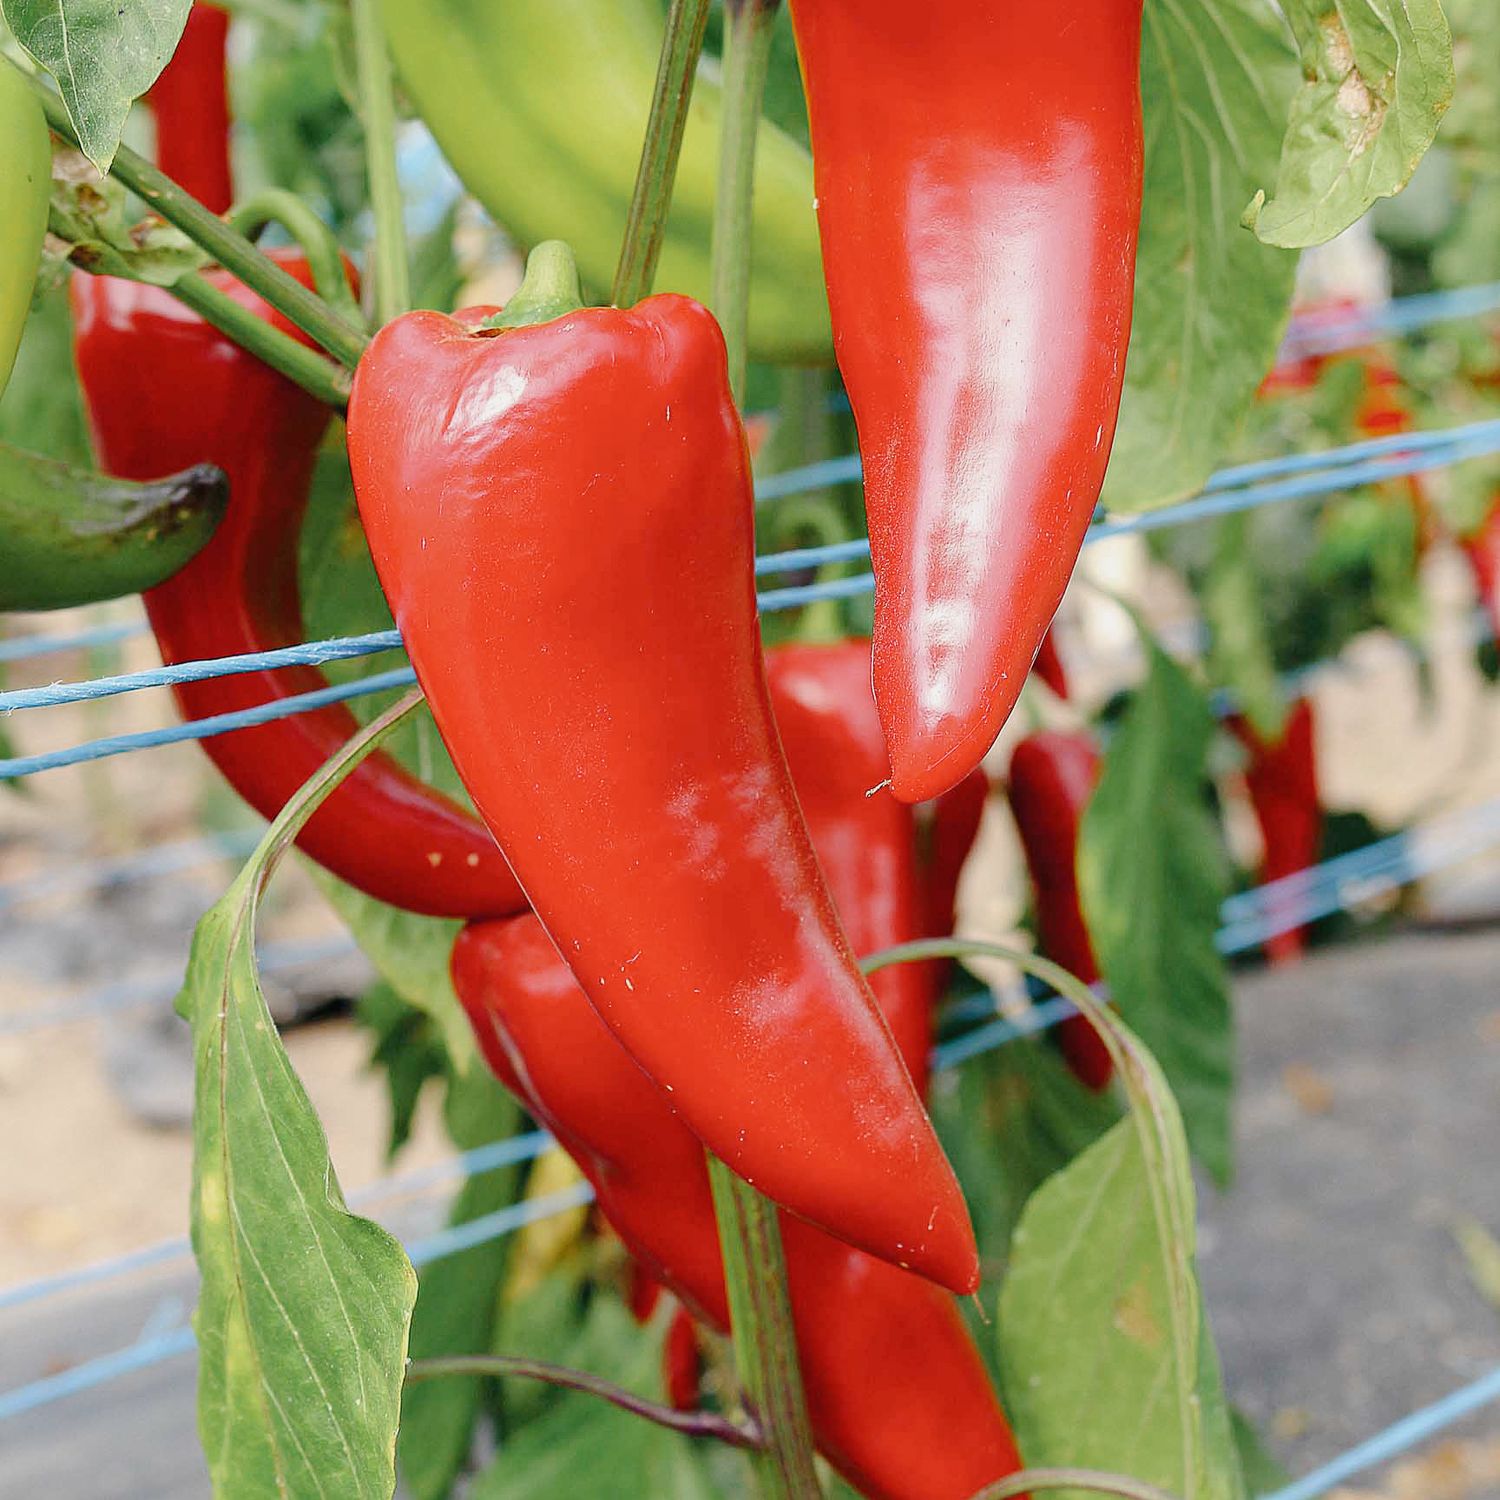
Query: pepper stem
x=765 y=1346
x=549 y=289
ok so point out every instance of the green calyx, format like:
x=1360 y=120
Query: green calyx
x=549 y=289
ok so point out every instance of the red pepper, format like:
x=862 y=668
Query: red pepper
x=867 y=845
x=190 y=101
x=1049 y=666
x=978 y=170
x=165 y=389
x=561 y=516
x=1482 y=548
x=1052 y=777
x=899 y=1399
x=1283 y=782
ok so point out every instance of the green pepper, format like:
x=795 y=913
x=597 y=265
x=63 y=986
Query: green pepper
x=70 y=537
x=540 y=106
x=25 y=183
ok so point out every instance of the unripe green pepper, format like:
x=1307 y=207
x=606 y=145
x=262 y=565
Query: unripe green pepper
x=540 y=105
x=69 y=537
x=25 y=183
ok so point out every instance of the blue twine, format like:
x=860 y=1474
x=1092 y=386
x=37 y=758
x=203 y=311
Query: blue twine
x=1312 y=335
x=503 y=1153
x=161 y=859
x=1397 y=1438
x=25 y=646
x=1409 y=454
x=201 y=729
x=125 y=994
x=152 y=1351
x=307 y=654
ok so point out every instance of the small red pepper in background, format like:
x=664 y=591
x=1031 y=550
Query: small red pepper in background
x=1049 y=666
x=1482 y=548
x=979 y=192
x=1052 y=777
x=190 y=102
x=165 y=389
x=1283 y=782
x=898 y=1397
x=561 y=515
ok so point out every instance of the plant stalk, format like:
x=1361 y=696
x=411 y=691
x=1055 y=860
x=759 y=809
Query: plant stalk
x=748 y=30
x=765 y=1346
x=645 y=228
x=230 y=249
x=316 y=374
x=377 y=109
x=696 y=1424
x=1041 y=1480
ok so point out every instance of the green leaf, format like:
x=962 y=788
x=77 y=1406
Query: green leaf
x=1106 y=1359
x=458 y=1299
x=1008 y=1120
x=1240 y=657
x=1210 y=300
x=104 y=55
x=302 y=1317
x=1152 y=875
x=1377 y=79
x=408 y=1049
x=583 y=1446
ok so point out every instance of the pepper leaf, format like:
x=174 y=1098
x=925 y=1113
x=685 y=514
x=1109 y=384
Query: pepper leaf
x=1152 y=1404
x=1377 y=79
x=104 y=55
x=1210 y=300
x=1152 y=875
x=1240 y=657
x=302 y=1319
x=1128 y=1344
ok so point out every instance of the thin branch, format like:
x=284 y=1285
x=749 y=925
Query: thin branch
x=695 y=1424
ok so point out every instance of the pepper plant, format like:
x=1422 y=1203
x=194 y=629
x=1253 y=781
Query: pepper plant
x=690 y=916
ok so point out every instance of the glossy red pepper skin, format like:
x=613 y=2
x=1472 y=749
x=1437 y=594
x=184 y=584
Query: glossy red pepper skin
x=899 y=1399
x=979 y=187
x=561 y=516
x=160 y=383
x=190 y=101
x=1283 y=782
x=1052 y=777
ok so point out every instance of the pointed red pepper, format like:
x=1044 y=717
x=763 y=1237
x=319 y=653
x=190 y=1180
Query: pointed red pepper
x=898 y=1397
x=561 y=515
x=978 y=170
x=190 y=101
x=1282 y=778
x=1052 y=777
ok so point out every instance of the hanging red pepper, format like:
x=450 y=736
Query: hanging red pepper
x=561 y=516
x=190 y=101
x=725 y=972
x=1283 y=781
x=1052 y=777
x=164 y=389
x=899 y=1400
x=978 y=170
